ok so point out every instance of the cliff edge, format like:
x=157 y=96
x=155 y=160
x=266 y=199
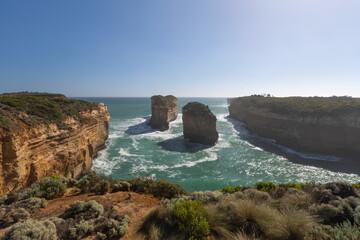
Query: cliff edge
x=314 y=124
x=45 y=134
x=199 y=123
x=163 y=111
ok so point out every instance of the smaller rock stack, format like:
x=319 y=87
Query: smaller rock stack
x=199 y=124
x=163 y=111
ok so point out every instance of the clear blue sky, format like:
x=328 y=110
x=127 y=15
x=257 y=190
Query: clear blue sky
x=181 y=47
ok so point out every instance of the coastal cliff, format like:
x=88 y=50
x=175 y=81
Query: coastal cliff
x=316 y=125
x=41 y=135
x=199 y=124
x=163 y=111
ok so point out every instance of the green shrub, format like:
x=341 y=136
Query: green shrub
x=48 y=188
x=265 y=187
x=344 y=231
x=31 y=204
x=291 y=185
x=57 y=221
x=336 y=211
x=81 y=229
x=102 y=187
x=117 y=186
x=333 y=191
x=192 y=219
x=115 y=228
x=206 y=196
x=164 y=189
x=93 y=183
x=87 y=210
x=9 y=216
x=342 y=189
x=228 y=190
x=160 y=189
x=32 y=230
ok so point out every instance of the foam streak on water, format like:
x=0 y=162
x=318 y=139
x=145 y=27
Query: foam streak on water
x=239 y=158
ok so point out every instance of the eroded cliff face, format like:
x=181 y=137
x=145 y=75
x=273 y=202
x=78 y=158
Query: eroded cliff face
x=199 y=124
x=163 y=111
x=325 y=133
x=34 y=150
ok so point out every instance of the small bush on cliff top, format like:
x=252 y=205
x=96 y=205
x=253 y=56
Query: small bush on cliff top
x=192 y=219
x=87 y=210
x=160 y=188
x=344 y=231
x=93 y=183
x=265 y=187
x=32 y=230
x=230 y=189
x=48 y=188
x=114 y=228
x=9 y=216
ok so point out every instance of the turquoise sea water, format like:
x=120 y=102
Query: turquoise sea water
x=239 y=158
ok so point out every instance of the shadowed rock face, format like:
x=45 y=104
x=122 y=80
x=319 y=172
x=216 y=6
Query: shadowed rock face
x=199 y=124
x=301 y=123
x=163 y=111
x=34 y=148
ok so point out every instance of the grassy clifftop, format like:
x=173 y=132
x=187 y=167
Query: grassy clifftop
x=40 y=107
x=302 y=105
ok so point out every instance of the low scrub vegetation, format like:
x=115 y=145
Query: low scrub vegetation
x=81 y=219
x=302 y=105
x=264 y=211
x=43 y=107
x=48 y=188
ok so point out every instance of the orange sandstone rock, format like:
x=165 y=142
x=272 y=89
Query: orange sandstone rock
x=163 y=111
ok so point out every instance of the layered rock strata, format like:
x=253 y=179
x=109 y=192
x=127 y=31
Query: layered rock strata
x=163 y=111
x=328 y=126
x=199 y=124
x=32 y=147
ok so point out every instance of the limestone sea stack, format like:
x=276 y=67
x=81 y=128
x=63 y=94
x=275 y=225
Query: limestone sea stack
x=163 y=111
x=199 y=124
x=45 y=134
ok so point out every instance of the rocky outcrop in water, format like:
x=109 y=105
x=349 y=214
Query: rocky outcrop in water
x=199 y=124
x=316 y=125
x=163 y=111
x=46 y=135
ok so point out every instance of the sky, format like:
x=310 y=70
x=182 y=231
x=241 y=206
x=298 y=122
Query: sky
x=188 y=48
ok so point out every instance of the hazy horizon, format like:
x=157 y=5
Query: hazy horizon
x=202 y=48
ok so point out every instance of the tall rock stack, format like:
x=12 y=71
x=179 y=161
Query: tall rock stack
x=163 y=111
x=199 y=124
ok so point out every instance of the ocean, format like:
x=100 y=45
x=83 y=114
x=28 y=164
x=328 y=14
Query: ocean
x=133 y=149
